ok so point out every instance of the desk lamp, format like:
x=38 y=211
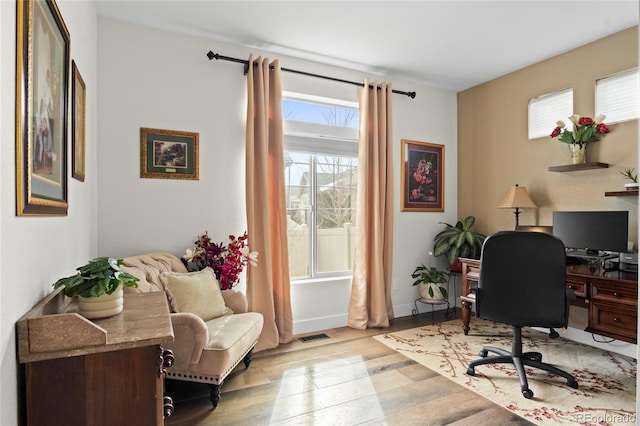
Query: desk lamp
x=517 y=198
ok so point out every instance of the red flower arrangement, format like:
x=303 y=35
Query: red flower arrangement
x=227 y=262
x=423 y=184
x=585 y=130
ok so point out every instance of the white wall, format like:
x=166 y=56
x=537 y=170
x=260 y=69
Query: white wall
x=152 y=78
x=38 y=250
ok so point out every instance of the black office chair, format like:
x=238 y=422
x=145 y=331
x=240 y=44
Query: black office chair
x=522 y=283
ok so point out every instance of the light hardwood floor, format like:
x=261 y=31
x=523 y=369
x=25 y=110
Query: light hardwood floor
x=348 y=378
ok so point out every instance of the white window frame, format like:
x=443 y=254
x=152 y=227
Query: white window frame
x=617 y=96
x=317 y=140
x=544 y=111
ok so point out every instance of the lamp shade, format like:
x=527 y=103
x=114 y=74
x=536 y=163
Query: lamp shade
x=517 y=197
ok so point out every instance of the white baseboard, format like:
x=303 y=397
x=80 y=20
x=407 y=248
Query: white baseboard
x=325 y=323
x=402 y=310
x=319 y=324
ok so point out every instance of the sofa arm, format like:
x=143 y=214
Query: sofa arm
x=191 y=335
x=235 y=300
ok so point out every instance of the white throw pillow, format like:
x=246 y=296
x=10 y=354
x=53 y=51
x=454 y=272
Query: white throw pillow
x=195 y=292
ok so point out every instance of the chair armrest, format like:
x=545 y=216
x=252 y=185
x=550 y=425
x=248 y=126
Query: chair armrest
x=191 y=335
x=236 y=300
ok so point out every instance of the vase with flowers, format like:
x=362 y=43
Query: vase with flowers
x=585 y=130
x=227 y=262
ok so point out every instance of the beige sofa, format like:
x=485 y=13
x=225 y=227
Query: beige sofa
x=205 y=351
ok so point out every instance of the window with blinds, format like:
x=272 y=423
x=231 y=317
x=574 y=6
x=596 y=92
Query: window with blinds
x=617 y=96
x=546 y=110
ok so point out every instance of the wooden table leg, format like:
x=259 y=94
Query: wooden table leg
x=466 y=314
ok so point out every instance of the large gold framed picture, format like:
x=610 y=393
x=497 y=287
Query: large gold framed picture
x=422 y=177
x=42 y=89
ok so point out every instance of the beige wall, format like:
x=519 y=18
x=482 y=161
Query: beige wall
x=494 y=151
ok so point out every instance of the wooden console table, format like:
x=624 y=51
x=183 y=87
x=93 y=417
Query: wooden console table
x=611 y=298
x=101 y=372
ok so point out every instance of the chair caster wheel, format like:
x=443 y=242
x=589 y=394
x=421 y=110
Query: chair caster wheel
x=471 y=371
x=536 y=357
x=573 y=384
x=527 y=393
x=483 y=353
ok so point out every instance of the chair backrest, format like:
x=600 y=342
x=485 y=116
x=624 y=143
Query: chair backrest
x=523 y=280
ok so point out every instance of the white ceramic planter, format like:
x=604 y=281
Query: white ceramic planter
x=631 y=186
x=103 y=306
x=437 y=294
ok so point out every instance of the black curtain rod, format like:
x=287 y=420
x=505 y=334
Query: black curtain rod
x=245 y=62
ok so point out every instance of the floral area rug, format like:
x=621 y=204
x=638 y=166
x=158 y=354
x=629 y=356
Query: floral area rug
x=607 y=381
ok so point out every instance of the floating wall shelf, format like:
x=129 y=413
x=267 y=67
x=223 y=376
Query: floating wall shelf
x=578 y=167
x=630 y=193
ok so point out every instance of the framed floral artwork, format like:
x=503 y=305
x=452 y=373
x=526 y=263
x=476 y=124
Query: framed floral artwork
x=78 y=131
x=42 y=89
x=422 y=168
x=168 y=154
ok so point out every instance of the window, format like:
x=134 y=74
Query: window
x=321 y=175
x=617 y=96
x=545 y=110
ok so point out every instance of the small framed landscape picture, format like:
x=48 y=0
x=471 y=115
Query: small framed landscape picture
x=168 y=154
x=422 y=177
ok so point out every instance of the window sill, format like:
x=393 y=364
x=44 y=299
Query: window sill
x=331 y=279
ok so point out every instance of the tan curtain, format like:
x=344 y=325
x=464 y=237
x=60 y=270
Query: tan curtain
x=268 y=284
x=370 y=304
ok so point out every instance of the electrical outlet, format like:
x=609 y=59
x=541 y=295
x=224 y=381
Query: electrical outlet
x=395 y=283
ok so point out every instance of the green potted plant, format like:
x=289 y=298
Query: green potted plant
x=458 y=241
x=432 y=282
x=629 y=173
x=99 y=287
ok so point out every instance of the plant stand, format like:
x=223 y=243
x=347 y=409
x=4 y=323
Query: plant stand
x=453 y=276
x=416 y=312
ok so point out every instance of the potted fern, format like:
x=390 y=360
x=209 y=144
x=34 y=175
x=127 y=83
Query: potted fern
x=458 y=241
x=432 y=282
x=99 y=287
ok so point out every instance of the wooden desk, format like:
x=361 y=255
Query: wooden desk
x=611 y=298
x=101 y=372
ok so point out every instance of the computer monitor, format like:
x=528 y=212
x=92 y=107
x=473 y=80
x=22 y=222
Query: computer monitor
x=592 y=232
